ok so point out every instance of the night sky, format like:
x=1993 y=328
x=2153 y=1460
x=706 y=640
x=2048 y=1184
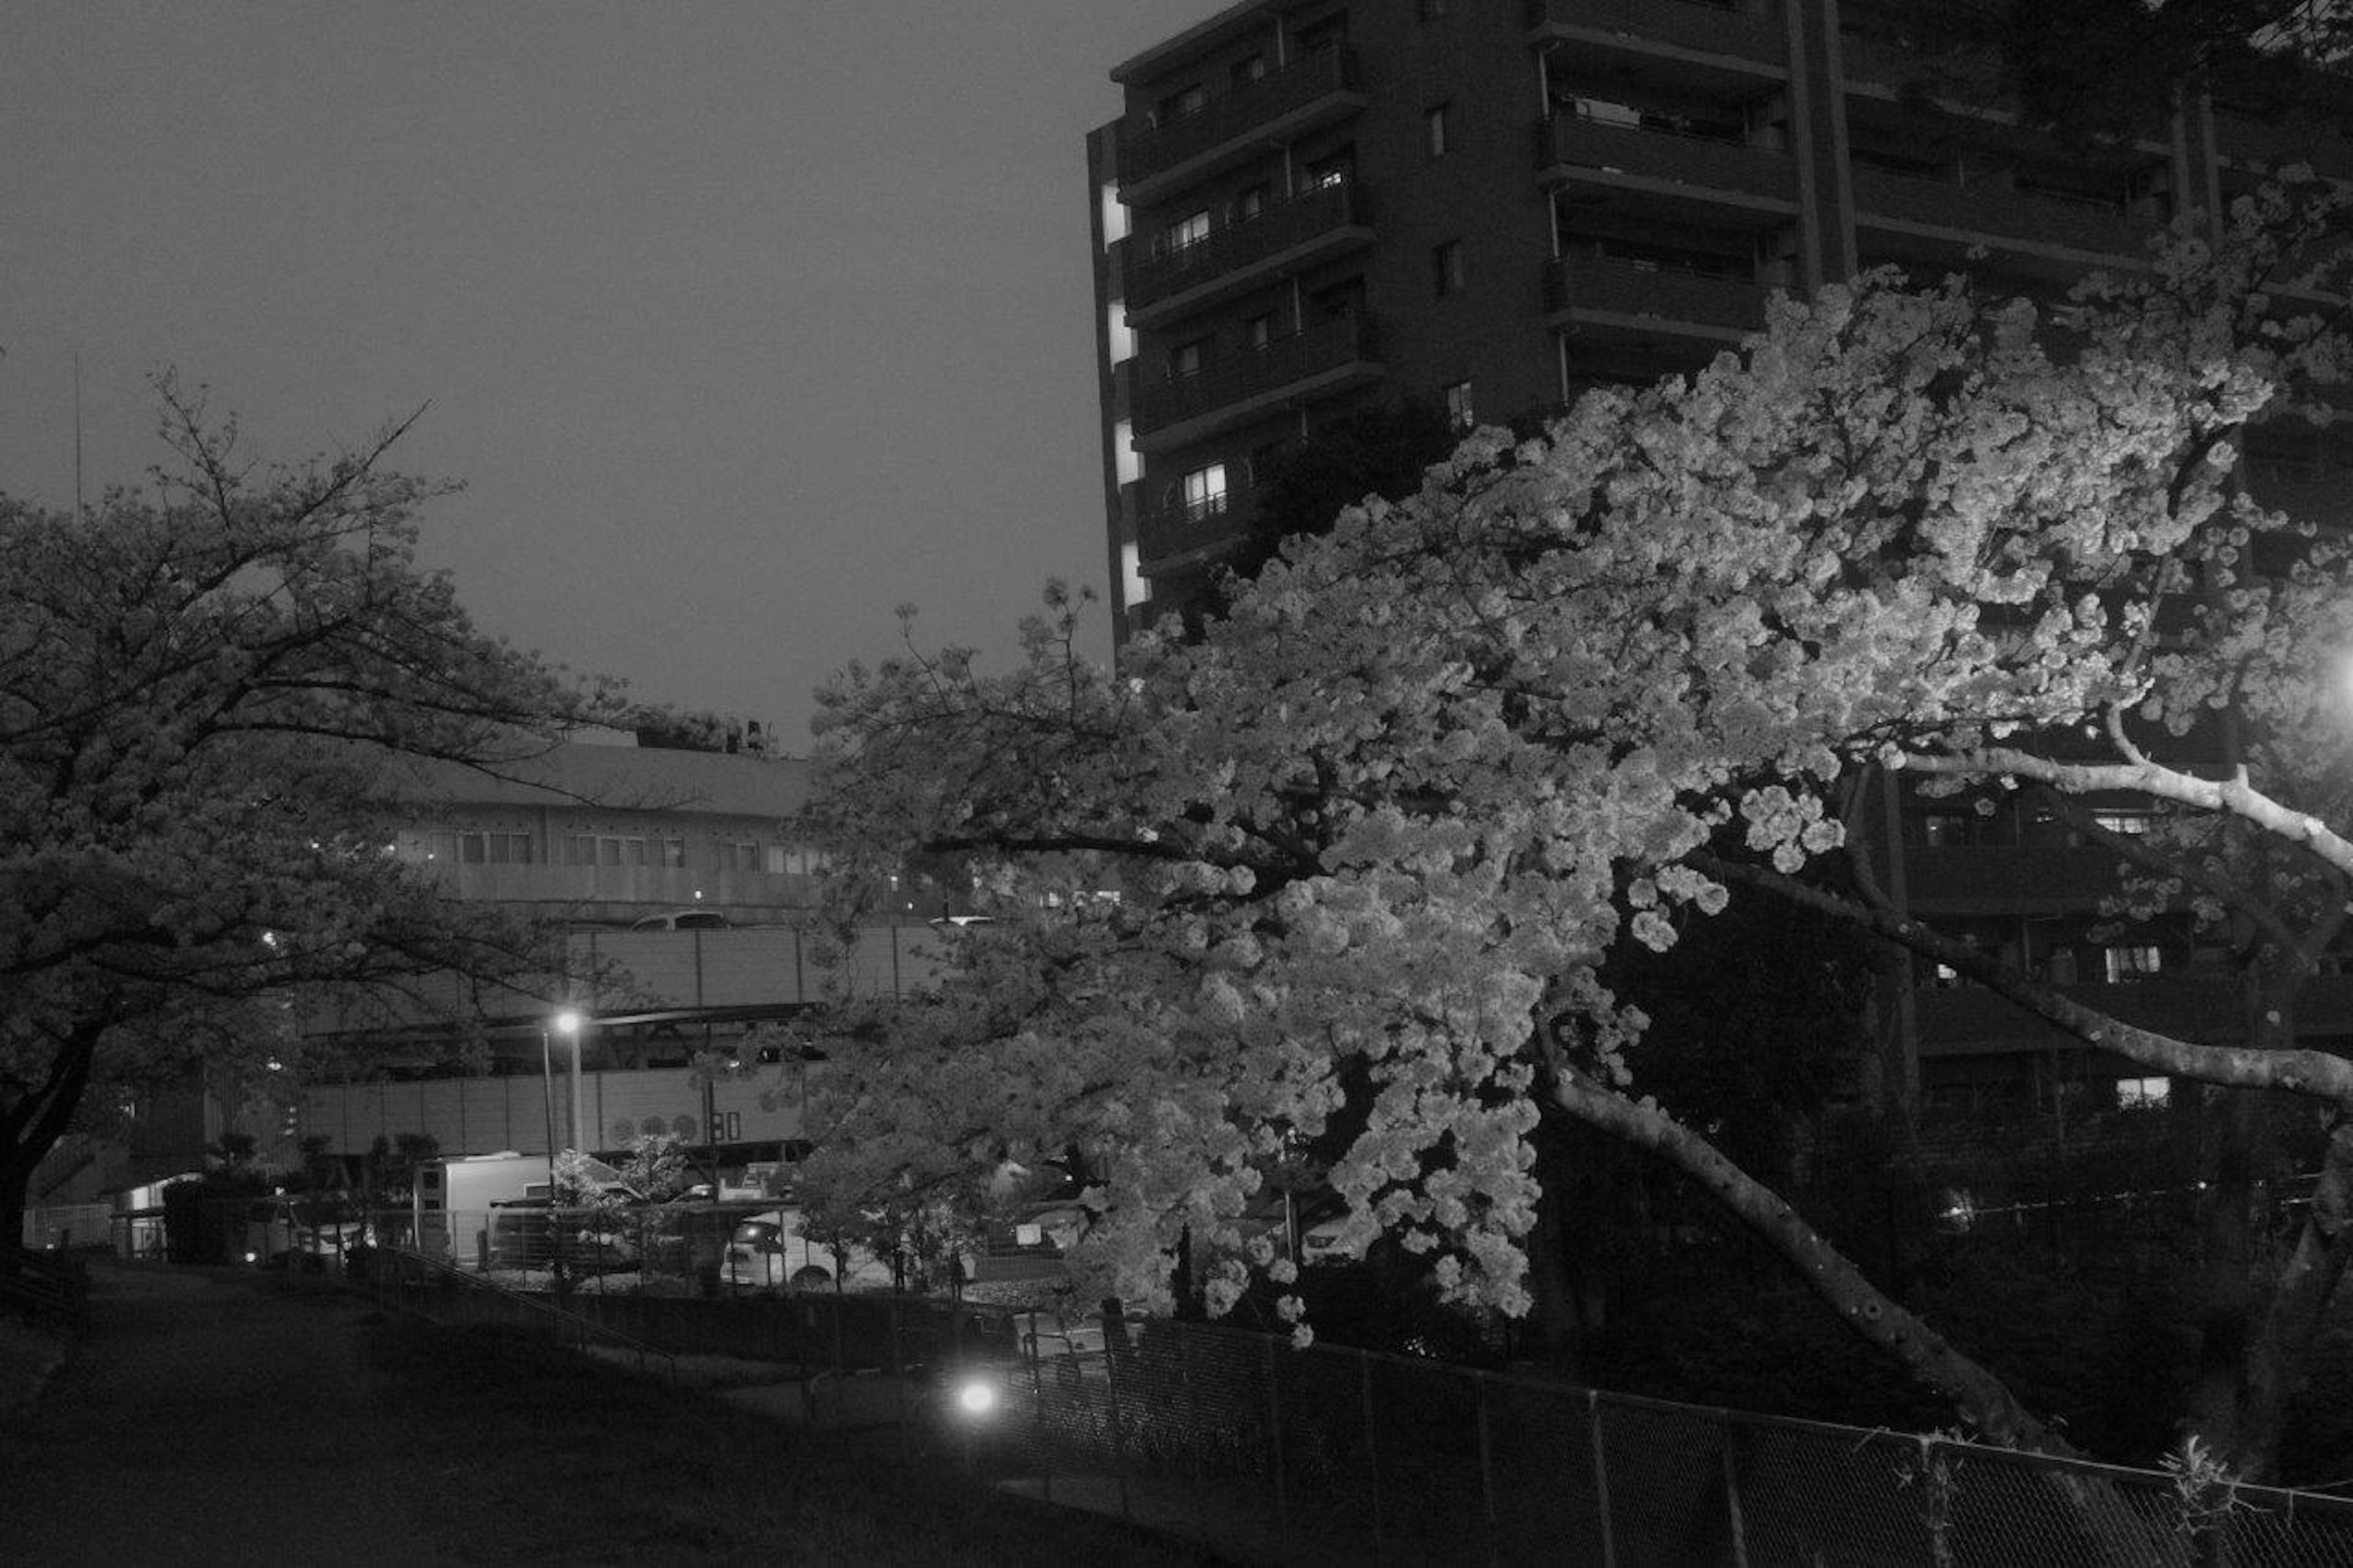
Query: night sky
x=743 y=323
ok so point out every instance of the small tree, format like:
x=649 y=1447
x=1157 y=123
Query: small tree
x=209 y=693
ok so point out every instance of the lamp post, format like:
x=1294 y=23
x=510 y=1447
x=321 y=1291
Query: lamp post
x=569 y=1024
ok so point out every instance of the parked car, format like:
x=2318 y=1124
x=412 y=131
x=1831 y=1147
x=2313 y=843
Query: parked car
x=770 y=1250
x=683 y=920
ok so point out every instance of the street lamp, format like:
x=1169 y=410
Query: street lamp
x=567 y=1022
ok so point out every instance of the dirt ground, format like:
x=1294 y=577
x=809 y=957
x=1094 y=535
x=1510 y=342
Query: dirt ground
x=210 y=1419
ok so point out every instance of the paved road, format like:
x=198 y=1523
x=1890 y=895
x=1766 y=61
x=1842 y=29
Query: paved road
x=213 y=1418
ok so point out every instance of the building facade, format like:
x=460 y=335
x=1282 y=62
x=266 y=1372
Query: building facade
x=1309 y=206
x=677 y=890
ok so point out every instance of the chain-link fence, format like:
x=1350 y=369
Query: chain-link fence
x=1336 y=1455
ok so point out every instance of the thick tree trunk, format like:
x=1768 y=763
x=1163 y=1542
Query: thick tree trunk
x=32 y=1122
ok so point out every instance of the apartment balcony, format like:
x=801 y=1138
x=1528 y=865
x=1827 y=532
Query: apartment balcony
x=1330 y=357
x=1573 y=146
x=1970 y=215
x=1588 y=286
x=1287 y=236
x=1315 y=89
x=1699 y=26
x=1170 y=532
x=2267 y=144
x=2203 y=1006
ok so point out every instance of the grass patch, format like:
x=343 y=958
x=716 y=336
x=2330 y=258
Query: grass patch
x=534 y=1455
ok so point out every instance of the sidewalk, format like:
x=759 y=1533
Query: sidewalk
x=213 y=1417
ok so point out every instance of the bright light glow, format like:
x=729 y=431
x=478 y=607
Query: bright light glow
x=976 y=1398
x=567 y=1022
x=251 y=1257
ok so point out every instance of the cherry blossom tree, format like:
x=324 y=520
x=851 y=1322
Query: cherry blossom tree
x=208 y=692
x=1366 y=840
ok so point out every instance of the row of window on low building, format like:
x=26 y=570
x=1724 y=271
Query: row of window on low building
x=498 y=849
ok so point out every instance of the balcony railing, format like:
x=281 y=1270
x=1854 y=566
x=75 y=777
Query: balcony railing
x=1566 y=142
x=1743 y=31
x=1290 y=230
x=1255 y=374
x=1177 y=530
x=1592 y=281
x=1998 y=211
x=1305 y=93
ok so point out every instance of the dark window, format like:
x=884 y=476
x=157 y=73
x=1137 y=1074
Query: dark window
x=1187 y=359
x=1430 y=10
x=1251 y=203
x=1249 y=69
x=1445 y=273
x=1185 y=101
x=1329 y=32
x=1259 y=330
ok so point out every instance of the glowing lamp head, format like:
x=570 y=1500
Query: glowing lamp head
x=977 y=1397
x=567 y=1022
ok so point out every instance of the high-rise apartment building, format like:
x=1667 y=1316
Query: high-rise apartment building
x=1308 y=207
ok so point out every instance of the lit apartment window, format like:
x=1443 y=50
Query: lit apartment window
x=1445 y=273
x=1334 y=169
x=1433 y=121
x=1118 y=334
x=1205 y=493
x=1947 y=829
x=1190 y=229
x=1114 y=213
x=1135 y=587
x=2131 y=962
x=1125 y=464
x=2143 y=1093
x=2132 y=823
x=1457 y=405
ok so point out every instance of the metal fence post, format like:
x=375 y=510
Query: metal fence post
x=1486 y=1467
x=1038 y=1434
x=1372 y=1451
x=1732 y=1514
x=1114 y=1331
x=1275 y=1426
x=1600 y=1480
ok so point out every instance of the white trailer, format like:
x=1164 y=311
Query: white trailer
x=455 y=1197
